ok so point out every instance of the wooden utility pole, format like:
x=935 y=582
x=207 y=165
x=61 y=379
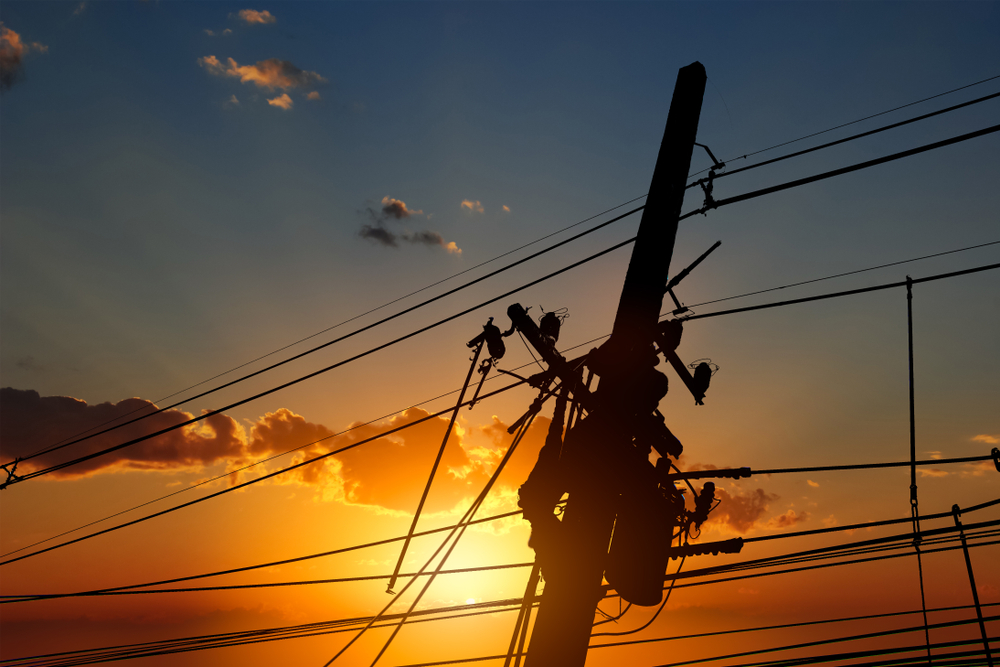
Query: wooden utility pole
x=628 y=391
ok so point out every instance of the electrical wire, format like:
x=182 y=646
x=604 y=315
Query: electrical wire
x=666 y=598
x=859 y=120
x=715 y=314
x=858 y=136
x=256 y=480
x=724 y=202
x=345 y=625
x=846 y=273
x=834 y=295
x=63 y=443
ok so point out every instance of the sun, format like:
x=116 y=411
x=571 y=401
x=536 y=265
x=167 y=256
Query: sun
x=470 y=601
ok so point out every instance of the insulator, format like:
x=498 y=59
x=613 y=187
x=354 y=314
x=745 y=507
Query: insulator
x=702 y=378
x=494 y=340
x=549 y=326
x=703 y=504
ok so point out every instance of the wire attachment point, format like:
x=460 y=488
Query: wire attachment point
x=11 y=477
x=996 y=458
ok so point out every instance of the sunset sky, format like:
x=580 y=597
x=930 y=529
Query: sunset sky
x=188 y=187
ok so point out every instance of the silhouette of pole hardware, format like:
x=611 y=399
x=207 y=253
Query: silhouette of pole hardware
x=957 y=513
x=603 y=460
x=11 y=477
x=682 y=275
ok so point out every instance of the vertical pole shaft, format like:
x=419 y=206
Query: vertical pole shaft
x=573 y=580
x=957 y=512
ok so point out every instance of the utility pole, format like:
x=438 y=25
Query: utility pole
x=574 y=557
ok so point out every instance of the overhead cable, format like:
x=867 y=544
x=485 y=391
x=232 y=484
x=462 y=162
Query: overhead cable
x=720 y=203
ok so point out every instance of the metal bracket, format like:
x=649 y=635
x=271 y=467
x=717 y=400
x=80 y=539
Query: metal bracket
x=11 y=477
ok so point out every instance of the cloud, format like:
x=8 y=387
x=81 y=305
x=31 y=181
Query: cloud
x=80 y=9
x=314 y=95
x=12 y=52
x=29 y=422
x=272 y=73
x=506 y=209
x=283 y=101
x=380 y=235
x=252 y=16
x=933 y=472
x=394 y=208
x=432 y=238
x=227 y=31
x=988 y=439
x=210 y=33
x=387 y=474
x=740 y=511
x=233 y=101
x=472 y=206
x=787 y=520
x=813 y=484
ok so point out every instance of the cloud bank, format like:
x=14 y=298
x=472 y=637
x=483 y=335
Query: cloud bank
x=392 y=210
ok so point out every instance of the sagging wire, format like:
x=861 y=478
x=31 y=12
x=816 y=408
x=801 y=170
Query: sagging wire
x=663 y=604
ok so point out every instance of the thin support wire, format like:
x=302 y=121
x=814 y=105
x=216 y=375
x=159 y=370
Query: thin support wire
x=437 y=462
x=914 y=509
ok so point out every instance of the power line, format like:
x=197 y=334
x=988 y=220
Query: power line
x=559 y=231
x=270 y=458
x=745 y=309
x=856 y=167
x=344 y=337
x=710 y=205
x=846 y=273
x=859 y=120
x=834 y=295
x=256 y=480
x=691 y=574
x=858 y=136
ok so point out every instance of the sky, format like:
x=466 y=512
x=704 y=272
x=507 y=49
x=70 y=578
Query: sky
x=188 y=187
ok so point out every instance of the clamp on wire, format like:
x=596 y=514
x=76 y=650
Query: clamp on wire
x=707 y=183
x=11 y=477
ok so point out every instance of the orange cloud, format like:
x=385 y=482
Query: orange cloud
x=988 y=439
x=472 y=206
x=283 y=101
x=813 y=484
x=395 y=208
x=29 y=422
x=272 y=73
x=740 y=511
x=933 y=472
x=506 y=209
x=314 y=95
x=12 y=52
x=252 y=16
x=787 y=520
x=387 y=474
